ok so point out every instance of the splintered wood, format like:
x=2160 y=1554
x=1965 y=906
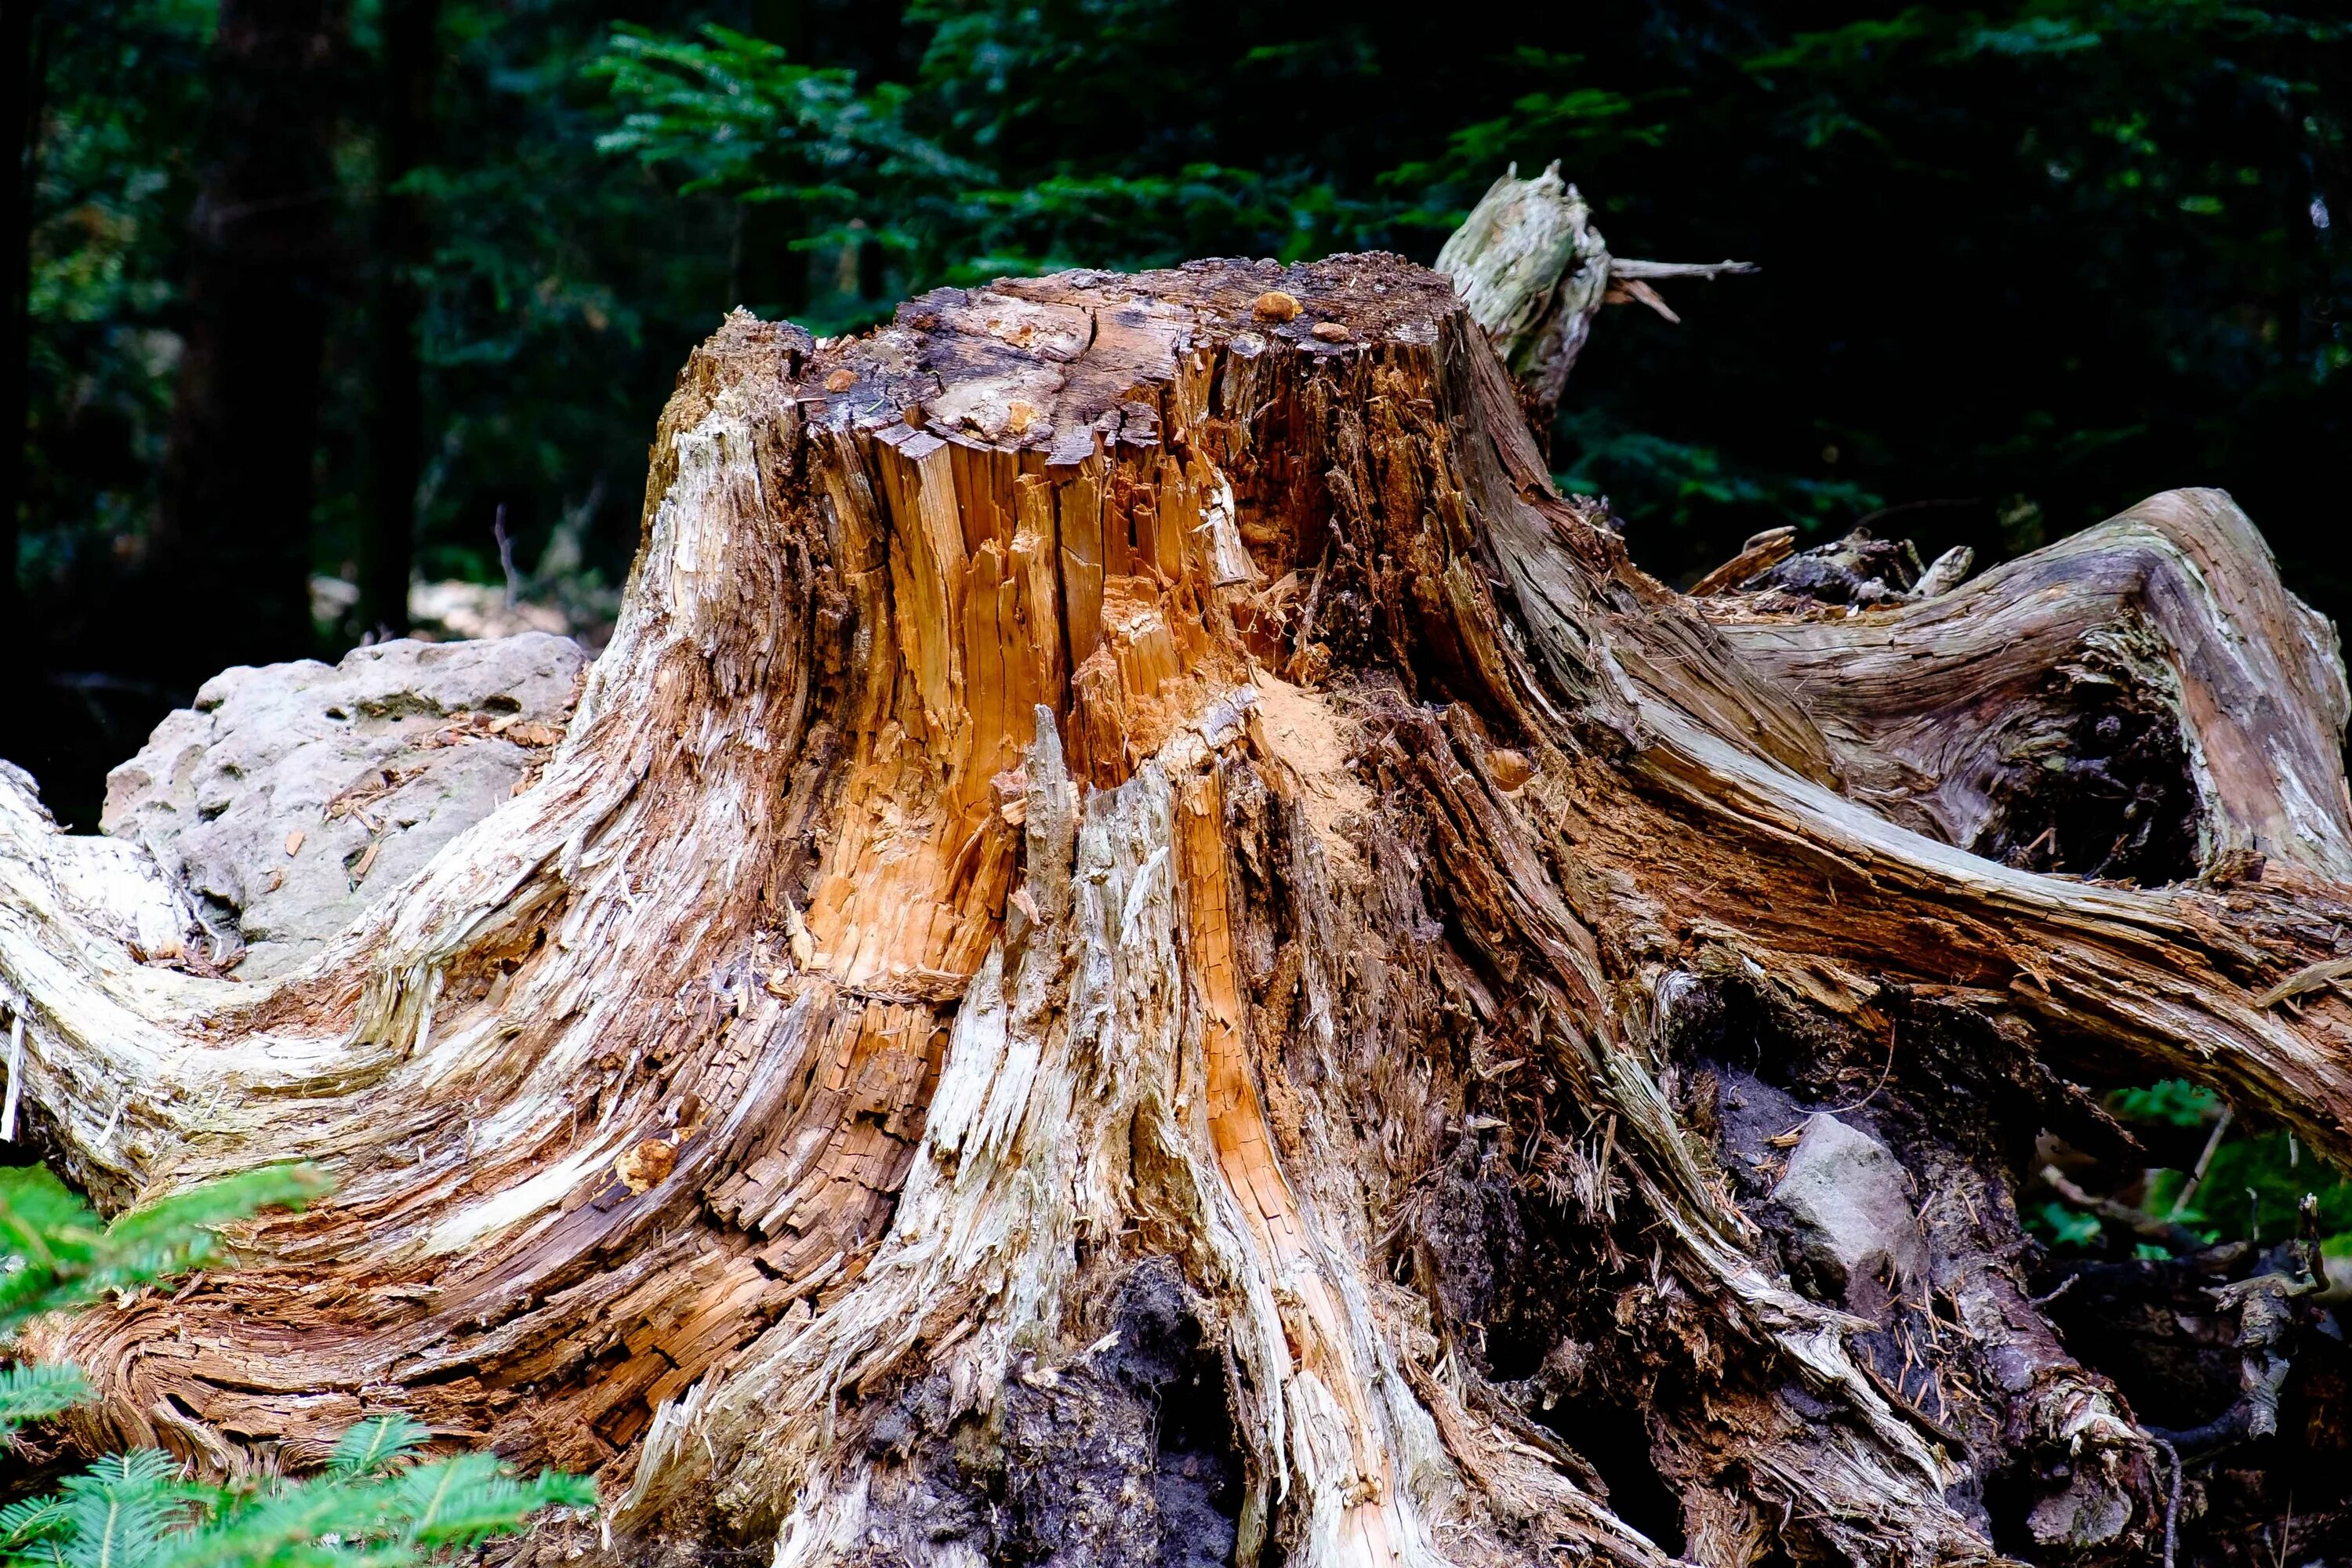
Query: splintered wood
x=1314 y=1324
x=1105 y=768
x=1009 y=589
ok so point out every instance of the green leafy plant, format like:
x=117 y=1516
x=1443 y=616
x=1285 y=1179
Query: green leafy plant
x=377 y=1502
x=2248 y=1184
x=60 y=1256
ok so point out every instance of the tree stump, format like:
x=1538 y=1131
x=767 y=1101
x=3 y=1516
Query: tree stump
x=1146 y=948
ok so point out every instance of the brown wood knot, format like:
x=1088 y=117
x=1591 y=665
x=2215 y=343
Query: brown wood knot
x=1331 y=331
x=1274 y=305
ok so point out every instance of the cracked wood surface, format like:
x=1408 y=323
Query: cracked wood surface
x=922 y=917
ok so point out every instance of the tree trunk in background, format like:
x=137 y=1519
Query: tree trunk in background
x=387 y=539
x=1144 y=949
x=21 y=25
x=232 y=559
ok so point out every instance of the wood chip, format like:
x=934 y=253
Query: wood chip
x=1331 y=331
x=841 y=379
x=1760 y=553
x=294 y=842
x=1509 y=768
x=2306 y=979
x=642 y=1166
x=367 y=862
x=1630 y=290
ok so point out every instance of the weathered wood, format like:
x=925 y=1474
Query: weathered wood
x=1093 y=778
x=1533 y=273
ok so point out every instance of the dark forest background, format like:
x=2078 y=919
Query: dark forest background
x=348 y=289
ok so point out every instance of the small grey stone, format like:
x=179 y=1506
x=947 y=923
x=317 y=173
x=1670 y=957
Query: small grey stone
x=1852 y=1200
x=219 y=790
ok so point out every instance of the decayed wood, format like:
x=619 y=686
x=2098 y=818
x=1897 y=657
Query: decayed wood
x=1766 y=550
x=1533 y=271
x=1100 y=771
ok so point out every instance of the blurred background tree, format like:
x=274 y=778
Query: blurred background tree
x=2021 y=266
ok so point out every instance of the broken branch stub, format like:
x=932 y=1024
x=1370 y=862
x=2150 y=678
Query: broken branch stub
x=1143 y=944
x=1533 y=273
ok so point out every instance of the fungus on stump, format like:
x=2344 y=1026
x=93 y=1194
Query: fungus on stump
x=1144 y=947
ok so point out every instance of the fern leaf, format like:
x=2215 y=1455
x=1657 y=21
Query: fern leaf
x=46 y=1235
x=119 y=1510
x=177 y=1233
x=312 y=1524
x=376 y=1445
x=54 y=1253
x=30 y=1391
x=34 y=1519
x=467 y=1499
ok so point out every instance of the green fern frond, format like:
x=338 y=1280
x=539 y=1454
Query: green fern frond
x=119 y=1510
x=376 y=1446
x=31 y=1391
x=463 y=1500
x=24 y=1525
x=177 y=1232
x=315 y=1524
x=54 y=1252
x=366 y=1511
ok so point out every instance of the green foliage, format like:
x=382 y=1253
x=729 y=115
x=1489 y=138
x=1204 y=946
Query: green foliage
x=112 y=192
x=850 y=172
x=2251 y=1188
x=2165 y=161
x=28 y=1392
x=60 y=1255
x=949 y=181
x=2067 y=1228
x=1679 y=483
x=375 y=1504
x=739 y=117
x=2172 y=1102
x=1559 y=120
x=562 y=292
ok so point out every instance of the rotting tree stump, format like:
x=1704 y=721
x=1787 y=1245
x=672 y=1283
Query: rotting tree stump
x=1145 y=947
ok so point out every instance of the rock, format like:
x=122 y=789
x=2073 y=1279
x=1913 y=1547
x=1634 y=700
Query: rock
x=293 y=795
x=1852 y=1201
x=2090 y=1511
